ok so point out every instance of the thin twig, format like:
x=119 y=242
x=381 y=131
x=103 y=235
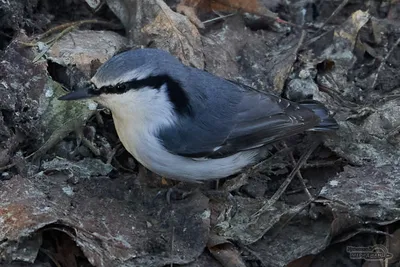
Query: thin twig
x=299 y=174
x=316 y=36
x=322 y=164
x=218 y=18
x=5 y=34
x=172 y=245
x=296 y=191
x=92 y=147
x=286 y=183
x=337 y=10
x=383 y=62
x=387 y=245
x=52 y=41
x=337 y=97
x=111 y=155
x=6 y=167
x=68 y=25
x=294 y=212
x=259 y=166
x=372 y=231
x=301 y=41
x=314 y=39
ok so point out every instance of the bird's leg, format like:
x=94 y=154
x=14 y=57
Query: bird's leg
x=175 y=193
x=150 y=179
x=81 y=139
x=176 y=190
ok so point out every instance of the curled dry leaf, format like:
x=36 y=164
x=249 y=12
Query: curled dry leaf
x=78 y=49
x=224 y=251
x=227 y=255
x=170 y=30
x=249 y=6
x=153 y=22
x=190 y=12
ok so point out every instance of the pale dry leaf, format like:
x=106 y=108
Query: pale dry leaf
x=152 y=23
x=174 y=32
x=190 y=12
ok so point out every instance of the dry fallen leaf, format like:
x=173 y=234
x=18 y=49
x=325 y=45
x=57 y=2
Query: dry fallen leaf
x=224 y=251
x=112 y=226
x=173 y=32
x=190 y=7
x=228 y=255
x=249 y=6
x=153 y=23
x=190 y=12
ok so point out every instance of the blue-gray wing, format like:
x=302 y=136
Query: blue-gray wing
x=229 y=118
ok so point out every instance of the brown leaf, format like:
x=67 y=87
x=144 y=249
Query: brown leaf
x=224 y=251
x=302 y=262
x=249 y=6
x=190 y=12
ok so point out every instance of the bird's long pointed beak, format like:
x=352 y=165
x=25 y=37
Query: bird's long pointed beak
x=80 y=93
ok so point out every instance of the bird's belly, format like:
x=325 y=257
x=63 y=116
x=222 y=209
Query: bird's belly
x=148 y=150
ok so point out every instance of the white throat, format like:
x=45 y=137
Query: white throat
x=144 y=107
x=138 y=115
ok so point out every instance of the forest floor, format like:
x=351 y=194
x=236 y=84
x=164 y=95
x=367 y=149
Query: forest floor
x=71 y=195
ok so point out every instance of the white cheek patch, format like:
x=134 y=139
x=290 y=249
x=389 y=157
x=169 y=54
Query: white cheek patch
x=147 y=106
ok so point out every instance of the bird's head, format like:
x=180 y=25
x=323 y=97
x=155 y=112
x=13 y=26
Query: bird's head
x=136 y=79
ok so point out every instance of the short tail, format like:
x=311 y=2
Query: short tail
x=327 y=122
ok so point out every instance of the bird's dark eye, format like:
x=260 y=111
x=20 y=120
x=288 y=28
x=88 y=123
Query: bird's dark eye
x=121 y=87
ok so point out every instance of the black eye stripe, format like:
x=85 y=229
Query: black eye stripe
x=151 y=81
x=176 y=93
x=122 y=87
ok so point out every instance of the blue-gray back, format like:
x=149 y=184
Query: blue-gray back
x=228 y=118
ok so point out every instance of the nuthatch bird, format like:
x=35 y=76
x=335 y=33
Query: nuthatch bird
x=187 y=124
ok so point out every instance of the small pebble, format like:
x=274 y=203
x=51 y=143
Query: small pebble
x=299 y=89
x=5 y=176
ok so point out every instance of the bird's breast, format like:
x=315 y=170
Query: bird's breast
x=140 y=140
